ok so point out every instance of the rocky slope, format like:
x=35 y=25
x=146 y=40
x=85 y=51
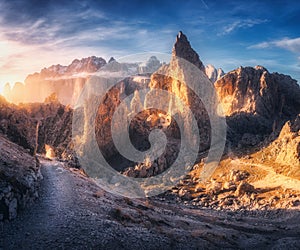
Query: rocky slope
x=74 y=213
x=285 y=149
x=19 y=179
x=288 y=144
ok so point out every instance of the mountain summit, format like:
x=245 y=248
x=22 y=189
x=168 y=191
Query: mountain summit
x=182 y=48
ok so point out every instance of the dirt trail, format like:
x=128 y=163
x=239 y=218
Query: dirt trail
x=73 y=213
x=272 y=179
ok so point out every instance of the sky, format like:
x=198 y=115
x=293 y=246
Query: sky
x=228 y=34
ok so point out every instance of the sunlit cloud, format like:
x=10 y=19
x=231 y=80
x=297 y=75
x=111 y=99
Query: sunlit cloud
x=42 y=42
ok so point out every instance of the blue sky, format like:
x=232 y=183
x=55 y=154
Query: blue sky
x=227 y=34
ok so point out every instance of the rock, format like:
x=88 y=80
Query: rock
x=183 y=49
x=238 y=175
x=229 y=185
x=214 y=187
x=66 y=81
x=184 y=194
x=287 y=145
x=111 y=60
x=227 y=202
x=257 y=102
x=212 y=73
x=19 y=124
x=12 y=209
x=19 y=179
x=255 y=90
x=244 y=187
x=250 y=140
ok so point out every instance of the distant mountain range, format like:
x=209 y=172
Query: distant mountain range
x=68 y=81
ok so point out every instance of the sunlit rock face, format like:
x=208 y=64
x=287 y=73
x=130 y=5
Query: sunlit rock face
x=19 y=124
x=287 y=145
x=66 y=81
x=256 y=101
x=50 y=153
x=142 y=124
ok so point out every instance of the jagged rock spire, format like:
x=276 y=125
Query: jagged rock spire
x=111 y=60
x=182 y=48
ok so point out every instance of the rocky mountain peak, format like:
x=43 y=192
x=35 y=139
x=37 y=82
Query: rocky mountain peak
x=259 y=67
x=86 y=65
x=89 y=64
x=182 y=48
x=111 y=60
x=212 y=73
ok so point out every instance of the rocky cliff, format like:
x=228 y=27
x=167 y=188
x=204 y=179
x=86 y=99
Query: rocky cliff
x=256 y=101
x=19 y=179
x=287 y=146
x=183 y=49
x=150 y=119
x=50 y=122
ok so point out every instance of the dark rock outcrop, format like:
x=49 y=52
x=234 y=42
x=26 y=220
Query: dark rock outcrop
x=51 y=120
x=182 y=48
x=19 y=179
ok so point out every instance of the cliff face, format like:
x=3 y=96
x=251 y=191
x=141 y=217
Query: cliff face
x=19 y=124
x=143 y=123
x=16 y=125
x=288 y=144
x=19 y=179
x=212 y=73
x=256 y=101
x=182 y=48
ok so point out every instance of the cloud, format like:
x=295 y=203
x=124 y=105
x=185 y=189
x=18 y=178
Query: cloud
x=291 y=44
x=63 y=35
x=241 y=24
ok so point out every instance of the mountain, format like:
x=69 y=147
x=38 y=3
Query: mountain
x=260 y=165
x=144 y=122
x=183 y=49
x=85 y=65
x=66 y=81
x=212 y=73
x=257 y=102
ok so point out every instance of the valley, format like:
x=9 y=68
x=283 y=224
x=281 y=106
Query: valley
x=50 y=194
